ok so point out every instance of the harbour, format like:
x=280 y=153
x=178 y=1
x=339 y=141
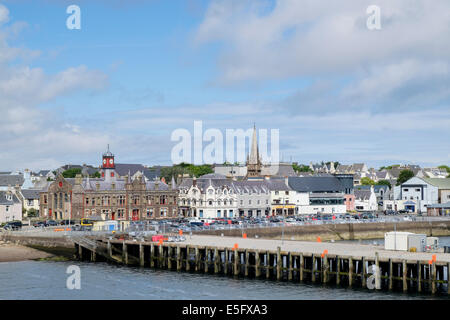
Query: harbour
x=344 y=265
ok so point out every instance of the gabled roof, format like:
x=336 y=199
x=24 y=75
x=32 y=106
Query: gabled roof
x=122 y=169
x=11 y=180
x=362 y=194
x=441 y=183
x=31 y=193
x=5 y=201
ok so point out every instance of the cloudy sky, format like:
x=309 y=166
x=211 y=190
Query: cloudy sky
x=137 y=70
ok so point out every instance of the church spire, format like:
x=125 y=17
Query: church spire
x=254 y=151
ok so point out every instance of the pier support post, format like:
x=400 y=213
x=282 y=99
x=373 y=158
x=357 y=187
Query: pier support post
x=93 y=256
x=313 y=268
x=80 y=252
x=169 y=257
x=216 y=260
x=377 y=272
x=247 y=255
x=350 y=272
x=160 y=256
x=391 y=271
x=301 y=266
x=325 y=269
x=419 y=276
x=124 y=253
x=267 y=265
x=338 y=270
x=235 y=265
x=448 y=278
x=178 y=258
x=141 y=255
x=197 y=259
x=405 y=273
x=279 y=263
x=206 y=259
x=152 y=255
x=433 y=278
x=289 y=266
x=363 y=272
x=257 y=265
x=226 y=261
x=109 y=246
x=188 y=265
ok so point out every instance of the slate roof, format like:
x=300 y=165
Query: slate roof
x=124 y=168
x=31 y=193
x=237 y=186
x=362 y=194
x=319 y=184
x=375 y=187
x=11 y=180
x=441 y=183
x=5 y=201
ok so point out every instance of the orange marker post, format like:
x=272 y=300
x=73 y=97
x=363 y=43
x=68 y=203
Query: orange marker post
x=433 y=258
x=244 y=236
x=180 y=232
x=318 y=239
x=235 y=246
x=324 y=253
x=160 y=242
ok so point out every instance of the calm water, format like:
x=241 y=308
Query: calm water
x=44 y=279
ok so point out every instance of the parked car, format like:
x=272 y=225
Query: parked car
x=39 y=224
x=13 y=225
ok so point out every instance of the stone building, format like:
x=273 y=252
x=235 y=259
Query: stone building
x=110 y=197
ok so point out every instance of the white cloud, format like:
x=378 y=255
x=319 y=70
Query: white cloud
x=31 y=136
x=316 y=37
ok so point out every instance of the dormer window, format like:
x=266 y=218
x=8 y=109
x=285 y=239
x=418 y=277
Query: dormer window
x=9 y=197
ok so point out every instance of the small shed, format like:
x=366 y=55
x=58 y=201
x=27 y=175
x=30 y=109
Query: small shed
x=404 y=241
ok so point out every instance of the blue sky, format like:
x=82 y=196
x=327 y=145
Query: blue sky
x=137 y=70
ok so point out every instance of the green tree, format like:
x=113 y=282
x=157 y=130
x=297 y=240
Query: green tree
x=445 y=167
x=301 y=168
x=32 y=213
x=71 y=173
x=404 y=176
x=384 y=183
x=95 y=175
x=366 y=181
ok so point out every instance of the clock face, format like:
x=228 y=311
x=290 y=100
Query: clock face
x=111 y=161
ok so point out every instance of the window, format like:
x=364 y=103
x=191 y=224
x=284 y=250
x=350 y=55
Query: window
x=45 y=198
x=163 y=212
x=87 y=201
x=135 y=200
x=30 y=202
x=249 y=201
x=7 y=208
x=242 y=202
x=149 y=212
x=120 y=213
x=163 y=199
x=287 y=192
x=276 y=193
x=210 y=203
x=405 y=190
x=259 y=201
x=417 y=190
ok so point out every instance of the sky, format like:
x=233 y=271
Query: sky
x=138 y=70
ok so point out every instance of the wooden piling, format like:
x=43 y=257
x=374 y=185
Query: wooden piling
x=80 y=252
x=197 y=259
x=363 y=272
x=350 y=272
x=226 y=262
x=405 y=273
x=338 y=270
x=377 y=272
x=246 y=263
x=152 y=255
x=289 y=266
x=236 y=260
x=448 y=278
x=124 y=253
x=325 y=269
x=206 y=269
x=109 y=246
x=279 y=263
x=179 y=258
x=301 y=266
x=216 y=261
x=433 y=276
x=313 y=268
x=93 y=256
x=169 y=257
x=267 y=264
x=391 y=271
x=257 y=264
x=188 y=265
x=141 y=255
x=419 y=277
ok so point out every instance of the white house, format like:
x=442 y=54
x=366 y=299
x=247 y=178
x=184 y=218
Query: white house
x=366 y=200
x=418 y=193
x=10 y=207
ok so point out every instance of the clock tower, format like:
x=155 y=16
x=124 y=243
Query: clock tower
x=108 y=165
